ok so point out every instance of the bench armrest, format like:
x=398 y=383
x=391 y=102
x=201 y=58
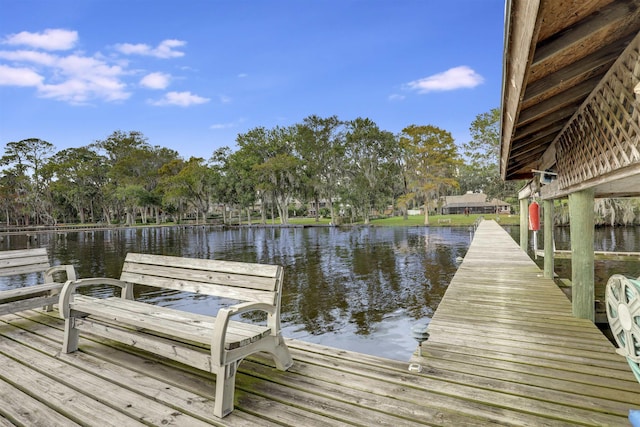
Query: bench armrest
x=69 y=289
x=250 y=306
x=68 y=269
x=222 y=321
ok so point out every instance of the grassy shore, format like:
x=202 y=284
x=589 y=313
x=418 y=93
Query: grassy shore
x=396 y=221
x=418 y=220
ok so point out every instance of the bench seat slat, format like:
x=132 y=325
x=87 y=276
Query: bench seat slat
x=35 y=290
x=23 y=261
x=7 y=307
x=240 y=294
x=233 y=267
x=204 y=276
x=22 y=268
x=158 y=345
x=168 y=321
x=23 y=253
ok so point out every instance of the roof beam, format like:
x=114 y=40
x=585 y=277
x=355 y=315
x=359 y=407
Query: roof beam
x=520 y=35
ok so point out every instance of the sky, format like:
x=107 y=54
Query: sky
x=191 y=75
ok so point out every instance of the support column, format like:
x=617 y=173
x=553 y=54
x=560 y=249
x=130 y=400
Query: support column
x=547 y=205
x=581 y=218
x=524 y=224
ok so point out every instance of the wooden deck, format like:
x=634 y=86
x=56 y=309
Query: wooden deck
x=511 y=332
x=504 y=350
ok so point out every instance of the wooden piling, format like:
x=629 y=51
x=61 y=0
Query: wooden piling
x=524 y=224
x=547 y=206
x=581 y=217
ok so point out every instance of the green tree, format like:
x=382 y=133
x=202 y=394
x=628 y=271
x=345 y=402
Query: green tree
x=278 y=171
x=134 y=173
x=370 y=167
x=79 y=176
x=431 y=159
x=14 y=190
x=481 y=171
x=27 y=158
x=320 y=144
x=238 y=180
x=195 y=182
x=121 y=150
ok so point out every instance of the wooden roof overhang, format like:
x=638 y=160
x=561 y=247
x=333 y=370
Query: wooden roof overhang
x=556 y=54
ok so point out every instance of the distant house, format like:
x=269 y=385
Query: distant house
x=474 y=203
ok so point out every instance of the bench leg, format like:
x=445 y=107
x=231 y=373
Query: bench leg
x=281 y=355
x=71 y=336
x=225 y=385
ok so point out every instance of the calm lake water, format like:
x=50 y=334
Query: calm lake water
x=612 y=239
x=360 y=288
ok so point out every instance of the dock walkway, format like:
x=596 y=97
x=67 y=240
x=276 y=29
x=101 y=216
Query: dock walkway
x=513 y=333
x=504 y=350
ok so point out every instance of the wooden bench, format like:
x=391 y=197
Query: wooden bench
x=215 y=344
x=44 y=294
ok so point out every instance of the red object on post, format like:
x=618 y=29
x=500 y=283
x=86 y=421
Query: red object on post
x=534 y=216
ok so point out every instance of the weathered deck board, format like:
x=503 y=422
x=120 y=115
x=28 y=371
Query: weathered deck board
x=501 y=320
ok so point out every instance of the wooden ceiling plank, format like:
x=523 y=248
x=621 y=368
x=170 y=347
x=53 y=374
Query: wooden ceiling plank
x=572 y=98
x=528 y=148
x=610 y=36
x=609 y=19
x=530 y=156
x=553 y=119
x=532 y=138
x=559 y=14
x=596 y=63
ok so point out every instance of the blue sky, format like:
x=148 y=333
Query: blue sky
x=190 y=75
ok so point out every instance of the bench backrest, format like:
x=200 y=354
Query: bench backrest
x=23 y=261
x=235 y=280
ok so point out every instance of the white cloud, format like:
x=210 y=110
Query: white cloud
x=224 y=99
x=243 y=75
x=73 y=78
x=35 y=57
x=86 y=78
x=182 y=99
x=80 y=90
x=50 y=39
x=396 y=97
x=452 y=79
x=217 y=126
x=29 y=60
x=10 y=76
x=166 y=49
x=156 y=81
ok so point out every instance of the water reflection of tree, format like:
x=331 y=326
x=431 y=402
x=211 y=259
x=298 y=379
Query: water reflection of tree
x=364 y=275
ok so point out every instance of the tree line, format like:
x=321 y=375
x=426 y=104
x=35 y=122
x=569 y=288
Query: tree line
x=353 y=166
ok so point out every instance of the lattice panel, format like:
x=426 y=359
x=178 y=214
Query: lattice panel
x=604 y=135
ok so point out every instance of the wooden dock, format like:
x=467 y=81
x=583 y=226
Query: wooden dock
x=512 y=333
x=504 y=349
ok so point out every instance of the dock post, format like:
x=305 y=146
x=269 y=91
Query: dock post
x=581 y=219
x=547 y=205
x=524 y=224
